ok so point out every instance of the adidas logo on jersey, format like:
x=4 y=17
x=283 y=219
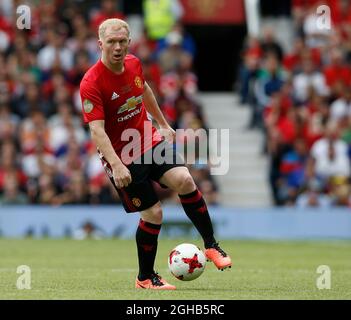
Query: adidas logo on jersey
x=114 y=96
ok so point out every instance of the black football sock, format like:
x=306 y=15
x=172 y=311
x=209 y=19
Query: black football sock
x=195 y=208
x=146 y=239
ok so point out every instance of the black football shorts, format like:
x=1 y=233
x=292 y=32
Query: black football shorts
x=140 y=194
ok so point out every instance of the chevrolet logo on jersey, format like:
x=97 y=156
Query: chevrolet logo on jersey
x=131 y=104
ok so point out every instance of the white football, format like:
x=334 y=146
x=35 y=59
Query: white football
x=186 y=262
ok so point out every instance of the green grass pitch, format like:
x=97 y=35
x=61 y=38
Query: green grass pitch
x=106 y=269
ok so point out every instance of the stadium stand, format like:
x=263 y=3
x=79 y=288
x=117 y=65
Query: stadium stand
x=300 y=100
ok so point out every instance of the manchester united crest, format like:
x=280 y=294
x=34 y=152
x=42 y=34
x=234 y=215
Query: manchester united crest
x=136 y=202
x=138 y=82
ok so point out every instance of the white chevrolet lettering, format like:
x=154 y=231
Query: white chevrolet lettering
x=129 y=115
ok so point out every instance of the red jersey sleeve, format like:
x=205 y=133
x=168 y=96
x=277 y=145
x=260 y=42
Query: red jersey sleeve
x=92 y=105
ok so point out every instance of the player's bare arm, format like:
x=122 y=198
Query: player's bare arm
x=152 y=107
x=121 y=174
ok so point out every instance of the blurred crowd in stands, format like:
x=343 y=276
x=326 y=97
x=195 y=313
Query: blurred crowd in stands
x=301 y=100
x=46 y=155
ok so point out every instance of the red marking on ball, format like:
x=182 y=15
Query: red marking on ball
x=193 y=263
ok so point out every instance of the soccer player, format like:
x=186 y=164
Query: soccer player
x=115 y=100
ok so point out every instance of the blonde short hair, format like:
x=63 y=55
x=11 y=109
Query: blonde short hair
x=118 y=23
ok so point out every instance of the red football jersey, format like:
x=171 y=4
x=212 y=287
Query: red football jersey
x=118 y=99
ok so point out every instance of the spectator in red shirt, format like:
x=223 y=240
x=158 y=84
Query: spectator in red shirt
x=337 y=71
x=292 y=61
x=109 y=9
x=312 y=118
x=340 y=12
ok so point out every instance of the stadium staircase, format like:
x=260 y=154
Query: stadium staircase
x=246 y=183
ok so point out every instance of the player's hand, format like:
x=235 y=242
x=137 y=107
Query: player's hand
x=168 y=133
x=121 y=176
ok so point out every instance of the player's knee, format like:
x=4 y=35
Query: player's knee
x=186 y=184
x=153 y=214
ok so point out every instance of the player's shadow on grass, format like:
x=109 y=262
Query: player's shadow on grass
x=203 y=289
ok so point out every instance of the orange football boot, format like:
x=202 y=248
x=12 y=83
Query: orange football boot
x=155 y=282
x=218 y=257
